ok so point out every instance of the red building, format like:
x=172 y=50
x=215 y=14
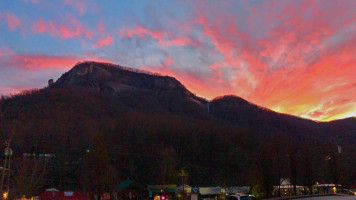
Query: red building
x=53 y=194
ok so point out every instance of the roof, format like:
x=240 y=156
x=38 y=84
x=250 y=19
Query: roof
x=209 y=190
x=52 y=190
x=187 y=188
x=285 y=181
x=127 y=183
x=328 y=185
x=162 y=188
x=288 y=186
x=234 y=190
x=218 y=190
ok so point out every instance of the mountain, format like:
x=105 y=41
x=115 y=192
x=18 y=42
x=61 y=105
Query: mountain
x=175 y=98
x=107 y=123
x=119 y=81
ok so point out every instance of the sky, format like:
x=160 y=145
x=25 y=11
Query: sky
x=291 y=56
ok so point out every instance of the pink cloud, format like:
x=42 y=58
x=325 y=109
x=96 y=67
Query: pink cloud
x=5 y=51
x=40 y=62
x=42 y=26
x=164 y=38
x=295 y=67
x=12 y=21
x=28 y=66
x=169 y=61
x=100 y=25
x=71 y=29
x=195 y=83
x=79 y=5
x=30 y=1
x=105 y=41
x=12 y=90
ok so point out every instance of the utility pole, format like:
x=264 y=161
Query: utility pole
x=5 y=180
x=183 y=175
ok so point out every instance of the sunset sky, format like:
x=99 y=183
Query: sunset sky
x=296 y=57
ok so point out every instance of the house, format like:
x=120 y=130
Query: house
x=215 y=193
x=287 y=189
x=190 y=193
x=130 y=190
x=162 y=192
x=211 y=193
x=327 y=188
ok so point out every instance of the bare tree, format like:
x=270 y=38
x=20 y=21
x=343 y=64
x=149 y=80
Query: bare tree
x=29 y=175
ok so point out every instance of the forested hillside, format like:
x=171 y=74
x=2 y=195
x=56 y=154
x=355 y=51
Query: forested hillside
x=105 y=124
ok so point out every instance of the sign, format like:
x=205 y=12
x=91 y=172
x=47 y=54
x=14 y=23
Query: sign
x=105 y=196
x=68 y=194
x=195 y=190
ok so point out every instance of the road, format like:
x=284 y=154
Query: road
x=331 y=198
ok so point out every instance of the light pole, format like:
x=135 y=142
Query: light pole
x=182 y=174
x=6 y=171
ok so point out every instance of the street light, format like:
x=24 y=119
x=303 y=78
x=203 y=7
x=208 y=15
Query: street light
x=5 y=195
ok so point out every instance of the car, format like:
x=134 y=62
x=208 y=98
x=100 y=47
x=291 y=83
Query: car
x=239 y=197
x=352 y=191
x=348 y=191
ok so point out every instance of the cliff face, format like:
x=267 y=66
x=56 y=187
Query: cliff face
x=113 y=79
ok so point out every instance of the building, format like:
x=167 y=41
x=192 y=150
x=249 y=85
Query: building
x=327 y=188
x=162 y=192
x=54 y=194
x=130 y=190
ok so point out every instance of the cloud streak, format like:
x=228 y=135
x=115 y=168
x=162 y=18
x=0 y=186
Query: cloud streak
x=39 y=62
x=164 y=38
x=71 y=29
x=303 y=65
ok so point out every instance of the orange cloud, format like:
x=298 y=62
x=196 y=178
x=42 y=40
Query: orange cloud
x=303 y=65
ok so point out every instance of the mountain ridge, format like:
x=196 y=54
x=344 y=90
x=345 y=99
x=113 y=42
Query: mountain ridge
x=100 y=70
x=145 y=127
x=167 y=93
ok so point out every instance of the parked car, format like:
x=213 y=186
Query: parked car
x=349 y=191
x=239 y=197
